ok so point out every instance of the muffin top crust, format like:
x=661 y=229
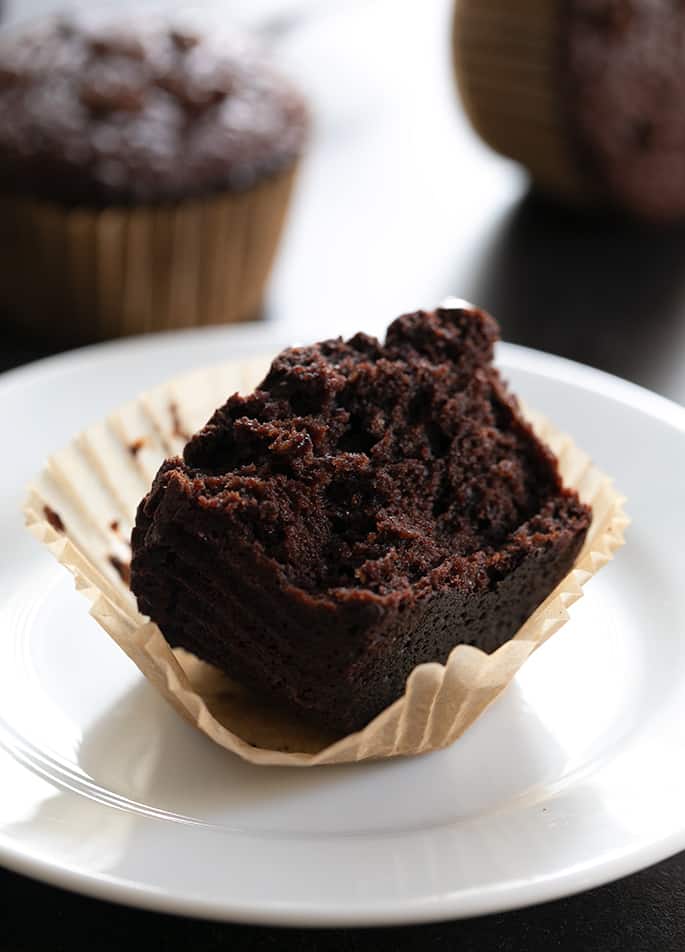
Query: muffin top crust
x=96 y=110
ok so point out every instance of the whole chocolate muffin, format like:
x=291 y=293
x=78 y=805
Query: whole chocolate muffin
x=586 y=94
x=366 y=509
x=145 y=168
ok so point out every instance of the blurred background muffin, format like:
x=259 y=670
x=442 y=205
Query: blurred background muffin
x=587 y=94
x=145 y=171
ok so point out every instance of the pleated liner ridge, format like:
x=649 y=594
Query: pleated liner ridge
x=117 y=271
x=506 y=63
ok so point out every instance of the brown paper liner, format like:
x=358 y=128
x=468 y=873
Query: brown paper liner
x=78 y=274
x=506 y=61
x=82 y=505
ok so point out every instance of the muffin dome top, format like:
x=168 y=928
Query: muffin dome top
x=622 y=69
x=103 y=111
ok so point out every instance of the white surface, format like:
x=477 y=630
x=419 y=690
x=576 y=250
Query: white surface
x=574 y=777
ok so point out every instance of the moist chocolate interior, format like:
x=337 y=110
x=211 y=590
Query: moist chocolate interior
x=358 y=465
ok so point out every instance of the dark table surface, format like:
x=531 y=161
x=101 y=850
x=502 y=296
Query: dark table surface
x=399 y=206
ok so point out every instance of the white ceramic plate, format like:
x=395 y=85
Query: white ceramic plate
x=574 y=777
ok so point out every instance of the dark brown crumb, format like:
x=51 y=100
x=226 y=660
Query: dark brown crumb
x=367 y=508
x=136 y=446
x=123 y=568
x=114 y=525
x=54 y=519
x=184 y=40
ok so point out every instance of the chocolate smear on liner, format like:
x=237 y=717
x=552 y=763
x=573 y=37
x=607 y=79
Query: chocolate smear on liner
x=122 y=568
x=136 y=446
x=177 y=430
x=54 y=519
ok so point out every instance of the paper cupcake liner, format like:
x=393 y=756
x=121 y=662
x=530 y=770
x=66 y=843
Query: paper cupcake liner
x=506 y=61
x=82 y=506
x=78 y=274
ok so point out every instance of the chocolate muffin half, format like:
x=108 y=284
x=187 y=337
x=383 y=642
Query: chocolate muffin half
x=366 y=509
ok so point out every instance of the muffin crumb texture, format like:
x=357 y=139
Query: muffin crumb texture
x=366 y=509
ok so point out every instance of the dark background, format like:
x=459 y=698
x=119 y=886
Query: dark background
x=398 y=206
x=643 y=913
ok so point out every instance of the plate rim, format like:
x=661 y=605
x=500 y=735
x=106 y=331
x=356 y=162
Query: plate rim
x=463 y=903
x=522 y=895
